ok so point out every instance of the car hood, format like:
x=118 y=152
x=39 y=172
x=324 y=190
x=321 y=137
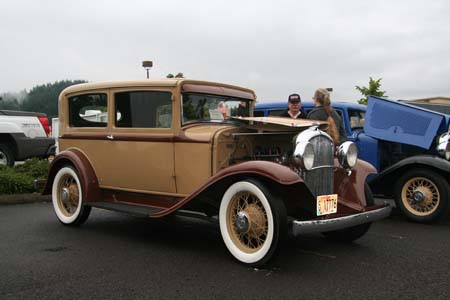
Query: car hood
x=203 y=132
x=403 y=123
x=282 y=123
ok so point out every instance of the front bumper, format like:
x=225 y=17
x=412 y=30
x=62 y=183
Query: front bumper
x=302 y=227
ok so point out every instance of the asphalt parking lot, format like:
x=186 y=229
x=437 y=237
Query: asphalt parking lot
x=114 y=256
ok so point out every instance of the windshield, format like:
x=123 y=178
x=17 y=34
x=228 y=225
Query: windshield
x=212 y=108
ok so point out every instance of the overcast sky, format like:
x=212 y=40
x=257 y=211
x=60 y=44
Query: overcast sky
x=274 y=47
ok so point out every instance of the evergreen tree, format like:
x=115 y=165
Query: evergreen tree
x=44 y=98
x=12 y=101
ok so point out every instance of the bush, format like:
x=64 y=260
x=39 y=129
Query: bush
x=20 y=179
x=36 y=168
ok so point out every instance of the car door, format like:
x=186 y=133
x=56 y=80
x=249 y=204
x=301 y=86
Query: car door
x=84 y=125
x=140 y=153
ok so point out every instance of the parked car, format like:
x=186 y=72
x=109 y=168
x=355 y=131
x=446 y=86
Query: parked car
x=165 y=147
x=408 y=145
x=24 y=135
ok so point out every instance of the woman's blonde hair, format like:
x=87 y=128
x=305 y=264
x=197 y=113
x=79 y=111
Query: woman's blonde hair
x=322 y=96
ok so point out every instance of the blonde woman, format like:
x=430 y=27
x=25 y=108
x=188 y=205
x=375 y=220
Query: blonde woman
x=324 y=112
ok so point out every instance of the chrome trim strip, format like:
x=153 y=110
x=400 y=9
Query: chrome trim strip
x=321 y=167
x=302 y=227
x=263 y=133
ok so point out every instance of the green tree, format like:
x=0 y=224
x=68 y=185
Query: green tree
x=373 y=89
x=179 y=75
x=44 y=98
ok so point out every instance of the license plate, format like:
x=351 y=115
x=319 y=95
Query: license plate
x=326 y=204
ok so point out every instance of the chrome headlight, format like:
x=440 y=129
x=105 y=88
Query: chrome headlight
x=348 y=155
x=304 y=155
x=443 y=147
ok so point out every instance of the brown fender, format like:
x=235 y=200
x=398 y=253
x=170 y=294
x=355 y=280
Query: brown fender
x=272 y=171
x=88 y=179
x=351 y=188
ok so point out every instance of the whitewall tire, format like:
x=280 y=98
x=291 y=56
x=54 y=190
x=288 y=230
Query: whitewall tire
x=67 y=197
x=252 y=223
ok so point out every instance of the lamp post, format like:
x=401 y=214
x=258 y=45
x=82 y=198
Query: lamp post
x=147 y=64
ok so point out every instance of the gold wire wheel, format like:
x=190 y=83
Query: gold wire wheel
x=68 y=195
x=247 y=222
x=420 y=196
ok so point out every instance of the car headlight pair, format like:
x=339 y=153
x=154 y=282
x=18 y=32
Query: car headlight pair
x=443 y=147
x=304 y=155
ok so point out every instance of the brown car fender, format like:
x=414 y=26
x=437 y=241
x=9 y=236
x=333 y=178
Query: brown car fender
x=88 y=179
x=265 y=170
x=351 y=188
x=271 y=170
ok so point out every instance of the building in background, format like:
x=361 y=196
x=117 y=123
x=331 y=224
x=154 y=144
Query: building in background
x=439 y=104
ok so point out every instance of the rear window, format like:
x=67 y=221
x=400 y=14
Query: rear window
x=143 y=109
x=88 y=110
x=258 y=113
x=277 y=112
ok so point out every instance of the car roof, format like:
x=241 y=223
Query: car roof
x=172 y=82
x=283 y=104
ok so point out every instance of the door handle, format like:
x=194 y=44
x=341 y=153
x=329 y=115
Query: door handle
x=110 y=137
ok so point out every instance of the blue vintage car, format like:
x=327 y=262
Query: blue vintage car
x=408 y=145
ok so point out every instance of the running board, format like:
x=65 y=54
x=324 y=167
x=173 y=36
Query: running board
x=131 y=209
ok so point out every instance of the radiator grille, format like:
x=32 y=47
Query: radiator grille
x=320 y=178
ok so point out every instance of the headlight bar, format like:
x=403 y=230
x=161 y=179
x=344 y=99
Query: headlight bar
x=304 y=155
x=443 y=147
x=348 y=155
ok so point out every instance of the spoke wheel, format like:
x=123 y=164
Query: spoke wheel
x=422 y=195
x=253 y=224
x=247 y=222
x=67 y=197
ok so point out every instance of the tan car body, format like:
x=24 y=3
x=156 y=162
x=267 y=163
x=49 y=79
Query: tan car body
x=173 y=162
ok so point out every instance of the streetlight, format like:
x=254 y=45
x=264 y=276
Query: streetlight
x=147 y=64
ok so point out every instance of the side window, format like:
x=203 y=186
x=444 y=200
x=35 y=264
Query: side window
x=143 y=109
x=356 y=118
x=88 y=110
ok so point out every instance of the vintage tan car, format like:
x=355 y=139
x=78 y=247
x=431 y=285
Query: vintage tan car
x=155 y=148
